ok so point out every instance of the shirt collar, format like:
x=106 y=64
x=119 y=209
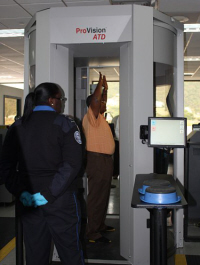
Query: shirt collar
x=43 y=108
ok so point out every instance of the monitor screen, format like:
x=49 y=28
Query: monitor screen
x=167 y=132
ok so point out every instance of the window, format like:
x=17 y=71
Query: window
x=12 y=109
x=191 y=103
x=163 y=90
x=113 y=100
x=161 y=104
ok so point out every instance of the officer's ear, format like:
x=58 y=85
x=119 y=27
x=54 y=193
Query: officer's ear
x=51 y=101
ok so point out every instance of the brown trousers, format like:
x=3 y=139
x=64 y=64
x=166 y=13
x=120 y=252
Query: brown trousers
x=99 y=171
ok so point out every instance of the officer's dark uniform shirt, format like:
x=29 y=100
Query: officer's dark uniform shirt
x=47 y=151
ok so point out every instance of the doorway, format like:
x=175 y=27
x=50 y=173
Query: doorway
x=89 y=78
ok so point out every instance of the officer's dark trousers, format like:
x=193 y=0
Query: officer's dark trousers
x=60 y=221
x=99 y=171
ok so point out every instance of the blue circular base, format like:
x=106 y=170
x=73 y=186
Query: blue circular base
x=154 y=201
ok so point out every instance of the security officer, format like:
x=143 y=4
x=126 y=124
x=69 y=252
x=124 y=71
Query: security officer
x=45 y=146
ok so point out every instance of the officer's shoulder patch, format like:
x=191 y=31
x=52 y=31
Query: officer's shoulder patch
x=77 y=137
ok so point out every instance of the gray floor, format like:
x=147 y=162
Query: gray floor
x=190 y=248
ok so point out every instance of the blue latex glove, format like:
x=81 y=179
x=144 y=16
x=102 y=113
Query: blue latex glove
x=26 y=198
x=38 y=199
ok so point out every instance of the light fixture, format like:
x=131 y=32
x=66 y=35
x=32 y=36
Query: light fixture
x=188 y=74
x=15 y=85
x=191 y=58
x=191 y=27
x=6 y=33
x=6 y=76
x=181 y=19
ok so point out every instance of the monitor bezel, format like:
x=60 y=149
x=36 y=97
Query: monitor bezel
x=162 y=145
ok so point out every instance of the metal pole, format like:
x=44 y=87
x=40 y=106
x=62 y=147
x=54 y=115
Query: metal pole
x=158 y=237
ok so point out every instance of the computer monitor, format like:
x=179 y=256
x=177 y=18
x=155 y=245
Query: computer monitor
x=167 y=132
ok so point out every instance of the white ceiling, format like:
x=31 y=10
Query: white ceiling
x=15 y=14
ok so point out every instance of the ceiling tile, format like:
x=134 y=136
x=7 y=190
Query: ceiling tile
x=14 y=68
x=16 y=43
x=8 y=52
x=7 y=2
x=38 y=1
x=87 y=3
x=179 y=6
x=33 y=8
x=2 y=26
x=192 y=17
x=15 y=23
x=13 y=11
x=193 y=49
x=9 y=64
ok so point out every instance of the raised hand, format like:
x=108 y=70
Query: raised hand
x=105 y=85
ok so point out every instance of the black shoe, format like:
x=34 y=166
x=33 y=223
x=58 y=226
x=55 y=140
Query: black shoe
x=108 y=229
x=100 y=240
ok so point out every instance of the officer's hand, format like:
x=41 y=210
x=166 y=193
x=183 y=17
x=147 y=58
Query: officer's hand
x=38 y=199
x=26 y=199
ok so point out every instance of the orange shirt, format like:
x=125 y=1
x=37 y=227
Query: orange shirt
x=98 y=134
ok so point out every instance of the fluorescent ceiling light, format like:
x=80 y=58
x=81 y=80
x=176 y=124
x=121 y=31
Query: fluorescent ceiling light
x=6 y=33
x=6 y=76
x=181 y=19
x=188 y=74
x=191 y=58
x=15 y=85
x=191 y=27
